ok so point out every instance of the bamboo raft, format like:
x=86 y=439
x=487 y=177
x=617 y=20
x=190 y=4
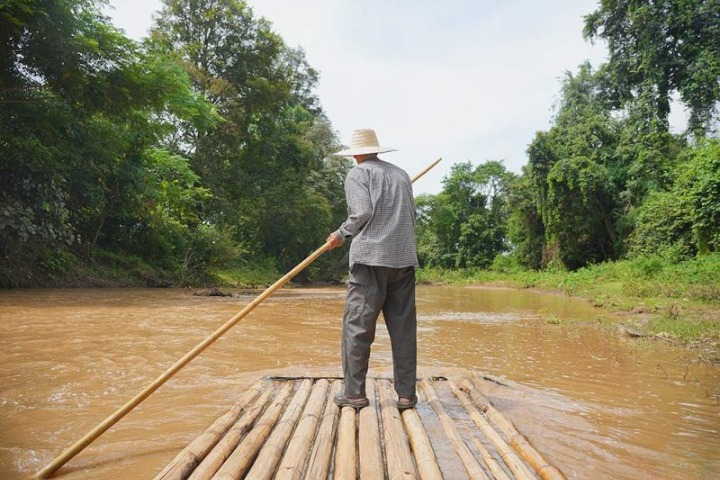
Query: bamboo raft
x=289 y=428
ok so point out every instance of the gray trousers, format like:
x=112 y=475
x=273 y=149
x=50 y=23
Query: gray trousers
x=373 y=290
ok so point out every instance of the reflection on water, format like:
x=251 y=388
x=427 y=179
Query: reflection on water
x=70 y=358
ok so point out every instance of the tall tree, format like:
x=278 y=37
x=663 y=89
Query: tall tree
x=683 y=220
x=526 y=230
x=577 y=176
x=658 y=47
x=258 y=162
x=465 y=225
x=81 y=105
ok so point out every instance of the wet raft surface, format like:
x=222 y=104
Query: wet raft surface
x=289 y=427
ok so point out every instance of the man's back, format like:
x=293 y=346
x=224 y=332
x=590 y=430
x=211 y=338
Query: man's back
x=381 y=193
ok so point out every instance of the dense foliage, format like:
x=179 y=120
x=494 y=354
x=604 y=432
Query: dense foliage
x=260 y=160
x=204 y=150
x=609 y=179
x=200 y=148
x=660 y=47
x=465 y=225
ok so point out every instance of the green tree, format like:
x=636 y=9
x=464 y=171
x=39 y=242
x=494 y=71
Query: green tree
x=685 y=219
x=465 y=225
x=662 y=227
x=330 y=181
x=699 y=185
x=428 y=246
x=659 y=47
x=578 y=214
x=577 y=176
x=260 y=161
x=81 y=104
x=526 y=230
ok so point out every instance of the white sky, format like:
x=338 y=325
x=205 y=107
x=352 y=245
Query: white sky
x=461 y=79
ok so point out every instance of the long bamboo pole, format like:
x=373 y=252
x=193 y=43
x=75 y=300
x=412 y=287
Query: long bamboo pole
x=321 y=455
x=191 y=456
x=425 y=458
x=89 y=437
x=397 y=448
x=517 y=439
x=466 y=456
x=346 y=447
x=516 y=466
x=369 y=447
x=293 y=459
x=425 y=170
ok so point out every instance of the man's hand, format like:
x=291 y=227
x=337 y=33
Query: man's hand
x=334 y=241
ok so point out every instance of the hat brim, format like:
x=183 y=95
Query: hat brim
x=351 y=152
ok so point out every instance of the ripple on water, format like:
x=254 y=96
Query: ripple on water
x=474 y=317
x=69 y=358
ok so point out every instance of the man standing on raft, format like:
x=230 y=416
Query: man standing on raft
x=383 y=258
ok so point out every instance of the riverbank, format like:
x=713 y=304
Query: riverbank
x=673 y=302
x=676 y=302
x=104 y=269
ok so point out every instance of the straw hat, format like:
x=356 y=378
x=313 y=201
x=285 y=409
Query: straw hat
x=363 y=141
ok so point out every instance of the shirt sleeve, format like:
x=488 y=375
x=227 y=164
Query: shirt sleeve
x=357 y=193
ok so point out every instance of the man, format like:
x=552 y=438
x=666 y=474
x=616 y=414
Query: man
x=383 y=257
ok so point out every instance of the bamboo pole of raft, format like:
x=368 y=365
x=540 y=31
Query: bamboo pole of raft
x=397 y=449
x=297 y=450
x=517 y=439
x=225 y=447
x=240 y=460
x=425 y=459
x=516 y=466
x=272 y=450
x=471 y=465
x=369 y=451
x=319 y=463
x=491 y=462
x=89 y=437
x=191 y=456
x=345 y=456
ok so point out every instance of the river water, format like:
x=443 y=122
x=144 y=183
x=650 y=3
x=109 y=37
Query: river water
x=603 y=407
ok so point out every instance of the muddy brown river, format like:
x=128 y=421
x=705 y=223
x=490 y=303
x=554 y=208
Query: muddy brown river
x=611 y=408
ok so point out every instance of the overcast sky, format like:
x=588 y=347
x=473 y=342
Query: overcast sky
x=461 y=79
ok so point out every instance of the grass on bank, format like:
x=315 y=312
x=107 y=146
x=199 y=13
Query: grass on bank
x=109 y=269
x=677 y=301
x=247 y=275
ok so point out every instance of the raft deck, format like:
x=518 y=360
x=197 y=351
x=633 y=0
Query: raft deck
x=289 y=427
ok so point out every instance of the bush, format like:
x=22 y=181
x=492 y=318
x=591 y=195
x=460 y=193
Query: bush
x=698 y=187
x=663 y=226
x=257 y=273
x=209 y=248
x=506 y=264
x=684 y=220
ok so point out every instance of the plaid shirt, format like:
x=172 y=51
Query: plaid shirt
x=381 y=215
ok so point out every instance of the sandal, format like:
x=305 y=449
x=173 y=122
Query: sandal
x=341 y=400
x=405 y=403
